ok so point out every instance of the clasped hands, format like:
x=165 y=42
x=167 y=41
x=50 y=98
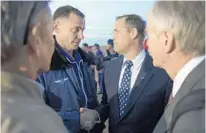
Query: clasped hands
x=88 y=118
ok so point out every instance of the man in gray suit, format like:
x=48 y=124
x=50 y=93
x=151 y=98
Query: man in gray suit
x=176 y=41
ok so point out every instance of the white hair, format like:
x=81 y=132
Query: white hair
x=185 y=19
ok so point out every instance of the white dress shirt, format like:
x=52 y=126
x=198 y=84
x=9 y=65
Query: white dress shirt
x=184 y=72
x=137 y=64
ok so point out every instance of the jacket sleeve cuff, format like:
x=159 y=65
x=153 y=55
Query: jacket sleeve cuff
x=99 y=119
x=71 y=120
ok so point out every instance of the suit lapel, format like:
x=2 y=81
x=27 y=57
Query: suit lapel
x=114 y=75
x=140 y=83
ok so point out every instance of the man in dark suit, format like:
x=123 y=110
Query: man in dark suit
x=136 y=91
x=178 y=45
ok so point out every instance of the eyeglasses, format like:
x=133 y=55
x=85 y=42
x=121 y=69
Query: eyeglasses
x=26 y=35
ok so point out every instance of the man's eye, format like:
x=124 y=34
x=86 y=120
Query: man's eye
x=75 y=30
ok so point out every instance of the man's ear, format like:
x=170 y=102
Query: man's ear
x=167 y=39
x=34 y=40
x=134 y=33
x=56 y=26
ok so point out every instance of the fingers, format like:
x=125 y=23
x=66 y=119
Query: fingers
x=81 y=110
x=87 y=118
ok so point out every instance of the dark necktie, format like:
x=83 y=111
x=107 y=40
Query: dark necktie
x=123 y=92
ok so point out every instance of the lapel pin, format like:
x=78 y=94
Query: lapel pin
x=142 y=78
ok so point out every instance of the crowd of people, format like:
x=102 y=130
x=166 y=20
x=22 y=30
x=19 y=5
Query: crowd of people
x=152 y=85
x=98 y=57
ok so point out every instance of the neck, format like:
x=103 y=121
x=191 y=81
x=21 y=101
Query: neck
x=179 y=61
x=69 y=52
x=21 y=66
x=133 y=51
x=61 y=43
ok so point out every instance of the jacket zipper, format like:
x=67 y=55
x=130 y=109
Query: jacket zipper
x=81 y=78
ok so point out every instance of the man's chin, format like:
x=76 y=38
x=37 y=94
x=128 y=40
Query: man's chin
x=76 y=47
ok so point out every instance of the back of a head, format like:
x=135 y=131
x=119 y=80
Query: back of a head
x=110 y=42
x=185 y=20
x=96 y=45
x=85 y=45
x=16 y=18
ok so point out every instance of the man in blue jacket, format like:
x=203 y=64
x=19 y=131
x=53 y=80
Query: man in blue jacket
x=69 y=85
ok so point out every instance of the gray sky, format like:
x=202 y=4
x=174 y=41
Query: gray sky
x=101 y=15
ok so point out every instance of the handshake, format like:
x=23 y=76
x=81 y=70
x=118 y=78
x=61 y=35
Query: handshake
x=88 y=118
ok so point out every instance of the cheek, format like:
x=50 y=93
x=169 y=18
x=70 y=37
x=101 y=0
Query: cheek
x=151 y=47
x=72 y=37
x=48 y=49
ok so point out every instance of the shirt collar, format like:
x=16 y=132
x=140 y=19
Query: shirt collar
x=184 y=72
x=138 y=59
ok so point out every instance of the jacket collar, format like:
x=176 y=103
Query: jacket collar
x=61 y=59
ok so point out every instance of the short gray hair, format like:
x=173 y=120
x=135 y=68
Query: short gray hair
x=65 y=11
x=16 y=19
x=135 y=21
x=185 y=19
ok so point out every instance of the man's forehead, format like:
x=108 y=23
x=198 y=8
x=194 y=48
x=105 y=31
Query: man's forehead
x=74 y=21
x=120 y=23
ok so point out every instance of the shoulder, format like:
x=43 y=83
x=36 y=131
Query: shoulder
x=31 y=117
x=160 y=72
x=87 y=58
x=192 y=121
x=157 y=71
x=190 y=107
x=114 y=61
x=159 y=76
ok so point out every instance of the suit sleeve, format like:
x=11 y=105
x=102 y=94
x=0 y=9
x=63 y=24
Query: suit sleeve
x=191 y=122
x=71 y=119
x=103 y=108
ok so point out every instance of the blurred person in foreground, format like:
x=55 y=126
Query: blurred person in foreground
x=176 y=41
x=26 y=50
x=69 y=85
